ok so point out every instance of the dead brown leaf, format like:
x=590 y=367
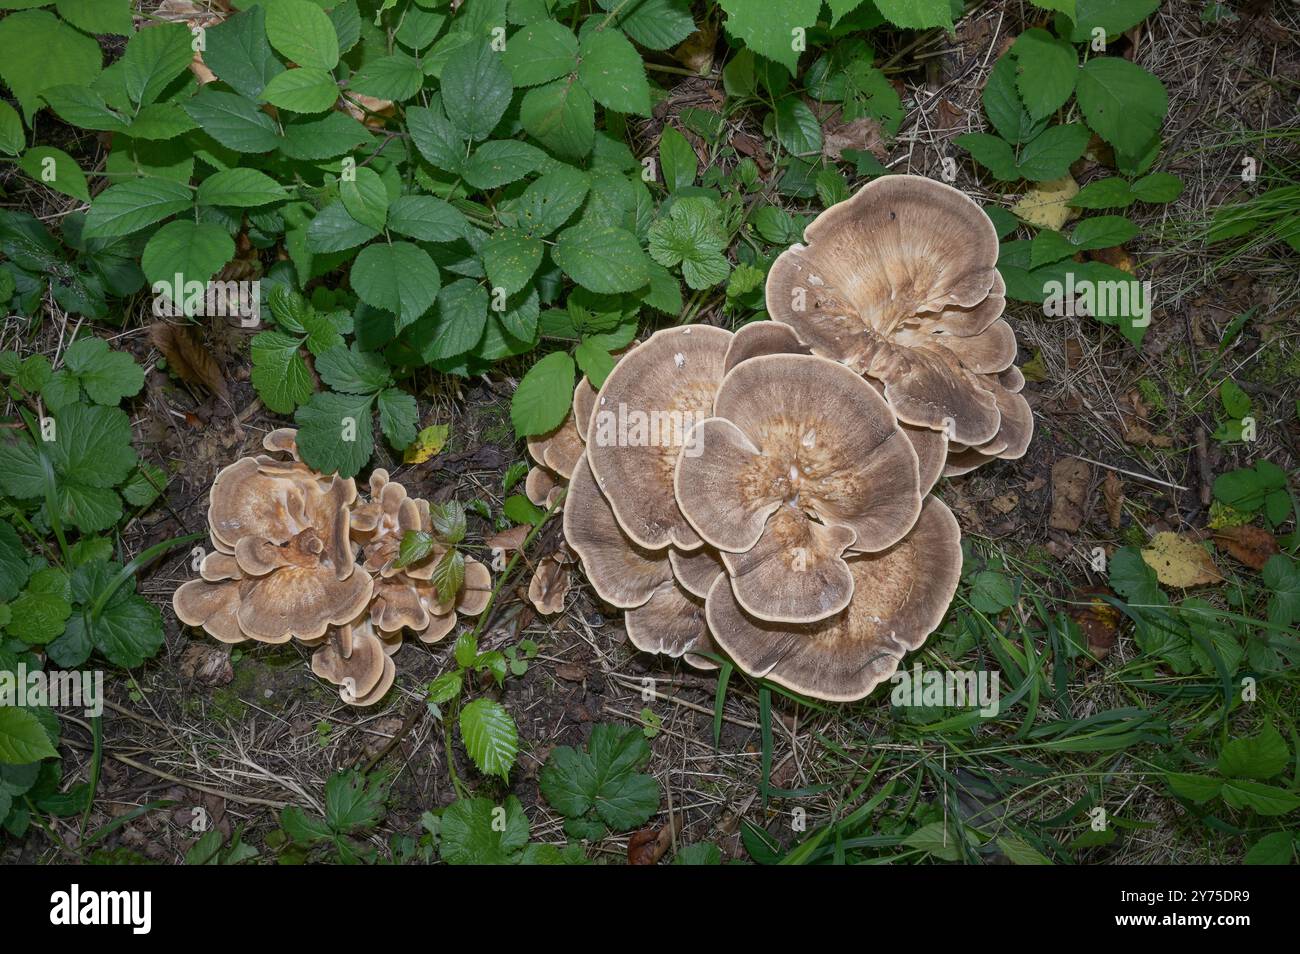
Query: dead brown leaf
x=188 y=357
x=207 y=665
x=696 y=51
x=1070 y=479
x=863 y=134
x=1137 y=433
x=570 y=672
x=647 y=846
x=1113 y=491
x=1249 y=545
x=1098 y=621
x=1005 y=503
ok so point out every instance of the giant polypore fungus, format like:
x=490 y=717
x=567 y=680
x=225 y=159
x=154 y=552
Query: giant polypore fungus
x=299 y=556
x=899 y=283
x=737 y=488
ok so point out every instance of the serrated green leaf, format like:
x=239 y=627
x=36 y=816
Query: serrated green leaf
x=302 y=90
x=239 y=54
x=544 y=395
x=22 y=738
x=233 y=121
x=611 y=70
x=12 y=137
x=561 y=116
x=302 y=32
x=194 y=250
x=57 y=170
x=1121 y=102
x=153 y=59
x=396 y=77
x=353 y=370
x=605 y=259
x=770 y=29
x=279 y=373
x=541 y=52
x=365 y=196
x=476 y=89
x=335 y=433
x=399 y=277
x=135 y=204
x=490 y=737
x=425 y=218
x=108 y=376
x=501 y=161
x=677 y=160
x=436 y=138
x=1046 y=69
x=37 y=51
x=240 y=188
x=511 y=259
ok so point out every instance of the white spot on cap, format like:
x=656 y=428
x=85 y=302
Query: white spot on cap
x=679 y=359
x=809 y=440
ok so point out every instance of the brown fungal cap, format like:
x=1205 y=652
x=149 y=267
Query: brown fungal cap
x=899 y=282
x=759 y=338
x=644 y=412
x=670 y=622
x=696 y=570
x=621 y=572
x=354 y=659
x=900 y=596
x=805 y=431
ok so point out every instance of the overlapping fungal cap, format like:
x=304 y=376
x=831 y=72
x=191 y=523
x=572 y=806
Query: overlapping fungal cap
x=286 y=567
x=899 y=596
x=796 y=536
x=899 y=283
x=643 y=415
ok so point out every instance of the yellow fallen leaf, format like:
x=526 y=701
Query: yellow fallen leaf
x=427 y=443
x=1044 y=204
x=1180 y=562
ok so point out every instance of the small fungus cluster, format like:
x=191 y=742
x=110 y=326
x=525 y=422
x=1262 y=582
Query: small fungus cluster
x=765 y=495
x=301 y=556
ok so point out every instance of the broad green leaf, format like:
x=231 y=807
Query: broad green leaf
x=22 y=738
x=490 y=737
x=1121 y=102
x=1158 y=187
x=238 y=52
x=1003 y=106
x=1103 y=231
x=605 y=778
x=159 y=122
x=353 y=370
x=135 y=204
x=14 y=568
x=677 y=160
x=561 y=116
x=471 y=834
x=425 y=218
x=325 y=137
x=194 y=250
x=1267 y=800
x=365 y=197
x=12 y=137
x=549 y=202
x=400 y=278
x=655 y=24
x=55 y=169
x=611 y=70
x=917 y=14
x=97 y=16
x=399 y=416
x=511 y=259
x=240 y=188
x=279 y=373
x=1111 y=16
x=302 y=90
x=476 y=90
x=1110 y=193
x=108 y=376
x=501 y=161
x=335 y=433
x=605 y=259
x=301 y=32
x=541 y=52
x=396 y=77
x=82 y=106
x=233 y=121
x=334 y=230
x=1259 y=757
x=1045 y=71
x=128 y=632
x=153 y=59
x=436 y=138
x=1277 y=848
x=544 y=395
x=797 y=129
x=459 y=319
x=37 y=51
x=1048 y=156
x=770 y=29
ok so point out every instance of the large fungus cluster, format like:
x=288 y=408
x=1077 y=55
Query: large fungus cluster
x=299 y=556
x=766 y=494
